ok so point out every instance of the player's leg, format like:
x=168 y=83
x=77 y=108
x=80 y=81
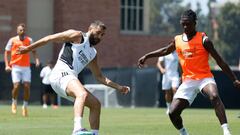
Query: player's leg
x=26 y=97
x=212 y=92
x=75 y=89
x=26 y=77
x=182 y=99
x=16 y=78
x=44 y=96
x=177 y=106
x=95 y=109
x=166 y=87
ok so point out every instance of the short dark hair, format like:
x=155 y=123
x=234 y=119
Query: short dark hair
x=189 y=14
x=21 y=24
x=98 y=23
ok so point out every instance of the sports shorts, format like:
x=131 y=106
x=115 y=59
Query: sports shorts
x=190 y=88
x=21 y=74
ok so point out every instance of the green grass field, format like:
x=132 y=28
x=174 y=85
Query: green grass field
x=114 y=121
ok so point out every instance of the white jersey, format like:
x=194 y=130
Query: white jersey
x=75 y=57
x=44 y=74
x=170 y=63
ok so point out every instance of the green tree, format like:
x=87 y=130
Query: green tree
x=229 y=26
x=165 y=16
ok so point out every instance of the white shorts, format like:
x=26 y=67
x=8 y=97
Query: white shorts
x=169 y=82
x=190 y=88
x=59 y=81
x=21 y=74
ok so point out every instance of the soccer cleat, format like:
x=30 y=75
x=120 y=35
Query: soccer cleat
x=14 y=108
x=24 y=111
x=82 y=131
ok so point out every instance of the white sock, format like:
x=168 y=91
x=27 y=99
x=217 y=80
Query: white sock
x=95 y=132
x=77 y=123
x=14 y=101
x=183 y=131
x=225 y=127
x=168 y=105
x=25 y=103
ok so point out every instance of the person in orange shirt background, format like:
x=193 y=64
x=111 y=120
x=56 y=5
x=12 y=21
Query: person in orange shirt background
x=193 y=49
x=19 y=66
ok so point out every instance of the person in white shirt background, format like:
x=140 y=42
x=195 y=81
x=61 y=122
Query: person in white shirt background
x=168 y=66
x=48 y=93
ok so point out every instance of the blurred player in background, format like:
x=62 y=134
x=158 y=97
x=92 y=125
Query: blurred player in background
x=19 y=66
x=48 y=92
x=77 y=53
x=168 y=66
x=193 y=49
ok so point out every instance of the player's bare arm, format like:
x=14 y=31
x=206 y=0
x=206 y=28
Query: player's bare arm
x=7 y=66
x=35 y=55
x=66 y=36
x=161 y=67
x=93 y=66
x=157 y=53
x=208 y=45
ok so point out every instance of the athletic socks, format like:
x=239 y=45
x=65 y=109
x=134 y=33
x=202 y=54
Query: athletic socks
x=95 y=132
x=14 y=101
x=183 y=131
x=168 y=107
x=77 y=123
x=225 y=129
x=25 y=104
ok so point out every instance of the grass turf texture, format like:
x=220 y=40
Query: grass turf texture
x=114 y=121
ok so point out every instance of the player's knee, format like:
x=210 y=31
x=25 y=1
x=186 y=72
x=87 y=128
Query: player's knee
x=213 y=97
x=83 y=95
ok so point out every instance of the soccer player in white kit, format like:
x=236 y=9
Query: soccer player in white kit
x=78 y=52
x=168 y=66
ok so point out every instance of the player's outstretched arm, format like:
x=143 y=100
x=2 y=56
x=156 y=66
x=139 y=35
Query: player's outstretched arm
x=93 y=66
x=157 y=53
x=66 y=36
x=208 y=45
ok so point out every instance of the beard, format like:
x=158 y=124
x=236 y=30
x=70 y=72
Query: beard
x=93 y=40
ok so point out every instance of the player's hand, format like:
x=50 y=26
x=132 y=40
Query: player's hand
x=22 y=50
x=141 y=61
x=163 y=71
x=236 y=84
x=37 y=62
x=8 y=69
x=124 y=89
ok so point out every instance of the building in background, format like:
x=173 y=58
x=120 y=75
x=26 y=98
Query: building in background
x=127 y=23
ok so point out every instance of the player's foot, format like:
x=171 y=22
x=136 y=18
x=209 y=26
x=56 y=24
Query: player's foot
x=45 y=106
x=82 y=131
x=24 y=111
x=14 y=108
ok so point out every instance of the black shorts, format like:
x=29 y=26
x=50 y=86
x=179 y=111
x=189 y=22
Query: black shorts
x=47 y=89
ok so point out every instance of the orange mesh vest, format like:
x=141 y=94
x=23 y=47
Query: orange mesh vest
x=193 y=57
x=23 y=59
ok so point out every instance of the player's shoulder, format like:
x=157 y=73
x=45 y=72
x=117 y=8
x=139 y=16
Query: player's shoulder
x=14 y=38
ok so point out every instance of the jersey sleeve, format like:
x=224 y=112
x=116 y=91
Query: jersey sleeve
x=204 y=37
x=161 y=59
x=31 y=40
x=9 y=45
